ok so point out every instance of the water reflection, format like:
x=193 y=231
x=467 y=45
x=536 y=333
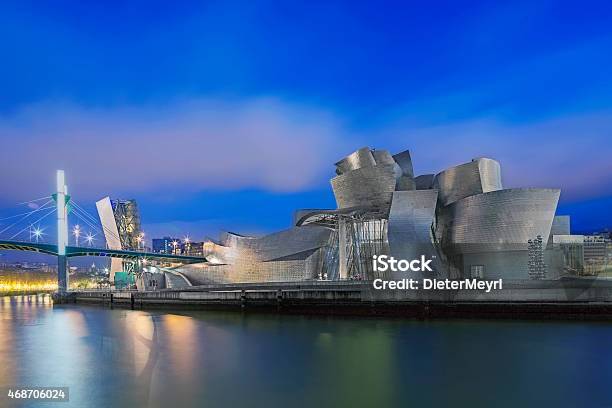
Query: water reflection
x=130 y=358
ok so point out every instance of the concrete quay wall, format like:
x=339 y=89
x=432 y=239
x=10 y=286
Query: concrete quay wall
x=518 y=300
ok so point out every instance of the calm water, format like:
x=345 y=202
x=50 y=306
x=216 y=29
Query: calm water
x=212 y=359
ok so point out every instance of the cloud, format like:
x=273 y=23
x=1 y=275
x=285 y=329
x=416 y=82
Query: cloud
x=571 y=152
x=193 y=145
x=188 y=145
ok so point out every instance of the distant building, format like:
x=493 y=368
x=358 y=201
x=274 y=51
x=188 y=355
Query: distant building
x=164 y=245
x=595 y=254
x=192 y=248
x=169 y=245
x=120 y=221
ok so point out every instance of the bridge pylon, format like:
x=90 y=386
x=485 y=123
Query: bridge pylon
x=62 y=231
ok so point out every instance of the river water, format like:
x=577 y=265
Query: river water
x=178 y=359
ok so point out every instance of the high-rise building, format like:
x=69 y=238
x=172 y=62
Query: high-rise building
x=120 y=221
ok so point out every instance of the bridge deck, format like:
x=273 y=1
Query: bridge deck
x=71 y=251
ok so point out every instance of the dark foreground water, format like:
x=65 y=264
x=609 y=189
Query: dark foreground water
x=129 y=358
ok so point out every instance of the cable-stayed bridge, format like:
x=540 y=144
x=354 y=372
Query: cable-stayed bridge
x=73 y=251
x=32 y=224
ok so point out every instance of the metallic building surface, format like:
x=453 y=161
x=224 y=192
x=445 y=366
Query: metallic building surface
x=404 y=161
x=461 y=217
x=424 y=182
x=410 y=228
x=498 y=220
x=411 y=218
x=367 y=186
x=304 y=212
x=476 y=177
x=356 y=160
x=405 y=183
x=288 y=255
x=384 y=157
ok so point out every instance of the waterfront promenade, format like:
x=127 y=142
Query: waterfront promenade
x=564 y=299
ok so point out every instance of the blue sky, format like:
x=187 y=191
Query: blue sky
x=230 y=115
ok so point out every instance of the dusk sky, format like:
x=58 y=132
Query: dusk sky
x=230 y=115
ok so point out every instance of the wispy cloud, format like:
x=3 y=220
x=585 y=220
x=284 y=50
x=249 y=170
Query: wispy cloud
x=204 y=144
x=188 y=145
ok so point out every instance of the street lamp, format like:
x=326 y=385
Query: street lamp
x=141 y=240
x=89 y=238
x=174 y=244
x=37 y=233
x=187 y=245
x=77 y=233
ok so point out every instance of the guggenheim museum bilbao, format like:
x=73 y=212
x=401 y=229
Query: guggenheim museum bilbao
x=461 y=218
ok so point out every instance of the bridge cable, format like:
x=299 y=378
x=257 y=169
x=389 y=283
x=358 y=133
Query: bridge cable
x=32 y=224
x=32 y=201
x=26 y=215
x=89 y=220
x=104 y=230
x=88 y=223
x=80 y=215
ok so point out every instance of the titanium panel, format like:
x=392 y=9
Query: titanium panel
x=411 y=220
x=404 y=160
x=383 y=157
x=476 y=177
x=287 y=255
x=356 y=160
x=424 y=182
x=498 y=220
x=365 y=187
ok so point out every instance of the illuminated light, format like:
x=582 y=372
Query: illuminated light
x=76 y=231
x=90 y=239
x=37 y=233
x=186 y=239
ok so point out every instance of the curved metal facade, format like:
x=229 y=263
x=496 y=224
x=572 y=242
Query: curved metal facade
x=498 y=220
x=367 y=186
x=411 y=220
x=476 y=177
x=424 y=182
x=356 y=160
x=287 y=255
x=461 y=218
x=404 y=161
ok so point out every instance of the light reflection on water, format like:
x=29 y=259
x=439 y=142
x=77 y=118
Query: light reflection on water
x=131 y=358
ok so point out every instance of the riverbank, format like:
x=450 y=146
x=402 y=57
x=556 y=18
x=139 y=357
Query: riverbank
x=26 y=292
x=573 y=300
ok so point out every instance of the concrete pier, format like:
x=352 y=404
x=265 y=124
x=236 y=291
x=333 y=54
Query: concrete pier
x=355 y=298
